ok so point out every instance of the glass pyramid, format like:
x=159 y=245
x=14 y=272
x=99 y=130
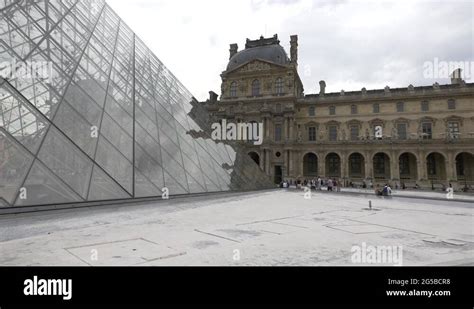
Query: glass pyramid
x=89 y=113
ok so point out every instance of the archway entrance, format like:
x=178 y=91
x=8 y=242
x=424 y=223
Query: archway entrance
x=278 y=175
x=333 y=165
x=408 y=167
x=356 y=166
x=310 y=165
x=465 y=168
x=381 y=162
x=436 y=166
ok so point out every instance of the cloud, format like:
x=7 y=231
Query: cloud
x=349 y=44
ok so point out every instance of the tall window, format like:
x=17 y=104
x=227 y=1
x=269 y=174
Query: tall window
x=333 y=133
x=279 y=85
x=451 y=104
x=332 y=110
x=312 y=111
x=233 y=89
x=256 y=88
x=278 y=129
x=312 y=134
x=425 y=106
x=426 y=129
x=354 y=132
x=453 y=127
x=376 y=108
x=402 y=130
x=400 y=107
x=353 y=109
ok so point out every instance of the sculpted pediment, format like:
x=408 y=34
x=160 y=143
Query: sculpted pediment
x=255 y=65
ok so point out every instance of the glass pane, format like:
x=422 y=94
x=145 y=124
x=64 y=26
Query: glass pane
x=76 y=128
x=20 y=120
x=143 y=187
x=115 y=164
x=117 y=136
x=83 y=104
x=43 y=187
x=104 y=188
x=149 y=167
x=174 y=186
x=66 y=161
x=14 y=164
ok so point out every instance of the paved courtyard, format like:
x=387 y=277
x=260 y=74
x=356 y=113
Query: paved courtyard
x=276 y=227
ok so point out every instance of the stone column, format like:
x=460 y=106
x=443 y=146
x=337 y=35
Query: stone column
x=290 y=164
x=450 y=167
x=368 y=162
x=344 y=166
x=292 y=124
x=267 y=161
x=322 y=164
x=395 y=167
x=421 y=166
x=267 y=128
x=298 y=168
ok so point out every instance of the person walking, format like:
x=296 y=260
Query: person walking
x=330 y=184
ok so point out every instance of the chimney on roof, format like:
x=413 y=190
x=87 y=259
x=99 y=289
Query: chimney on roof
x=212 y=97
x=456 y=77
x=322 y=87
x=234 y=48
x=294 y=49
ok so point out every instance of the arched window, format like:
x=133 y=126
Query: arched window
x=256 y=88
x=233 y=89
x=279 y=85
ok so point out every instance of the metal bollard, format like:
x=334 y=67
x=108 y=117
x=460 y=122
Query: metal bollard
x=370 y=205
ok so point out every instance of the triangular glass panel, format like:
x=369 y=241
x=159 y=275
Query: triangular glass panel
x=144 y=188
x=43 y=187
x=14 y=164
x=102 y=187
x=66 y=160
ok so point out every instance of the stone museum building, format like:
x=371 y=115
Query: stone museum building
x=416 y=135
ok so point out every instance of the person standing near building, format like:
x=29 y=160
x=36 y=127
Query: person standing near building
x=330 y=184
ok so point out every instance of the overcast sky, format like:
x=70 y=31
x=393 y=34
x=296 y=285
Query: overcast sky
x=349 y=44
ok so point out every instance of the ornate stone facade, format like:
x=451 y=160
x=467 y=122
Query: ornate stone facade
x=414 y=136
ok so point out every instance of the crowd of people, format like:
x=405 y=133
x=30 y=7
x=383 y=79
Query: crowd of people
x=331 y=184
x=334 y=185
